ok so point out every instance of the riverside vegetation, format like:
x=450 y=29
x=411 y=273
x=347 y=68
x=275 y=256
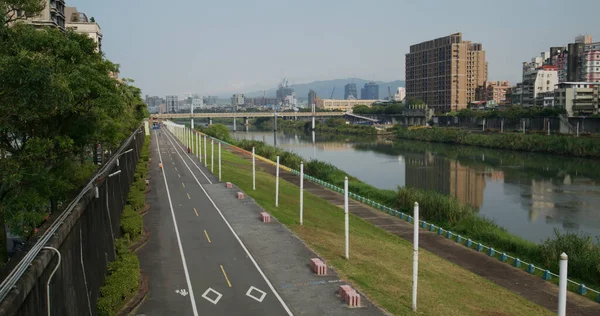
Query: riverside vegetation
x=447 y=212
x=123 y=278
x=585 y=146
x=337 y=125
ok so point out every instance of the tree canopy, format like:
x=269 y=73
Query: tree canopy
x=57 y=100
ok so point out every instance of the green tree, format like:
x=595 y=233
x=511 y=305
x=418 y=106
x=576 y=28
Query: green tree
x=57 y=100
x=15 y=10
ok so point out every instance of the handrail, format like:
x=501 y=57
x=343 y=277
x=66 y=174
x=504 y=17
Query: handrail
x=17 y=272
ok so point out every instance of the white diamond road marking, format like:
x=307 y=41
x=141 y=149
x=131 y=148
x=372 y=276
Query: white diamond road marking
x=262 y=297
x=216 y=300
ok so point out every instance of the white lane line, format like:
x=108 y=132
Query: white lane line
x=185 y=269
x=287 y=309
x=169 y=138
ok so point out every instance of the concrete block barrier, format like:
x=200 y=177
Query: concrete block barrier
x=344 y=290
x=353 y=299
x=318 y=266
x=240 y=195
x=265 y=217
x=229 y=185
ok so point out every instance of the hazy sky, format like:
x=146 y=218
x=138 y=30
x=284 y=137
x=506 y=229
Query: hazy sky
x=211 y=47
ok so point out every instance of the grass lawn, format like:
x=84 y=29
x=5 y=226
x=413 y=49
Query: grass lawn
x=380 y=263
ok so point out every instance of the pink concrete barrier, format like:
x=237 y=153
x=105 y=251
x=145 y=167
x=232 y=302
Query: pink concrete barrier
x=318 y=266
x=229 y=185
x=240 y=195
x=353 y=299
x=344 y=289
x=265 y=217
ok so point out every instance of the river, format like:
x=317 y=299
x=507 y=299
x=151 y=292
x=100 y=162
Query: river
x=530 y=195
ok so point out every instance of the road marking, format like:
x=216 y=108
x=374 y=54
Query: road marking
x=179 y=175
x=259 y=299
x=195 y=211
x=185 y=269
x=189 y=198
x=224 y=274
x=176 y=169
x=208 y=238
x=287 y=309
x=183 y=292
x=216 y=300
x=183 y=185
x=190 y=158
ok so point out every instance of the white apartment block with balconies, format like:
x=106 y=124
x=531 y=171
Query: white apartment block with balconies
x=578 y=98
x=590 y=63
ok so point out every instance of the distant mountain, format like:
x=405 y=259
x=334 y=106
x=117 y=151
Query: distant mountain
x=324 y=88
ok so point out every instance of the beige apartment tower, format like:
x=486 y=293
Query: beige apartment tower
x=445 y=72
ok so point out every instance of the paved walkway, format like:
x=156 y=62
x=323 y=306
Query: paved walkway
x=209 y=254
x=531 y=287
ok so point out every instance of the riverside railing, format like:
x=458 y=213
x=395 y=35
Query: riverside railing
x=516 y=262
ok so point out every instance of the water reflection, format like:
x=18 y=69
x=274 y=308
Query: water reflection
x=528 y=194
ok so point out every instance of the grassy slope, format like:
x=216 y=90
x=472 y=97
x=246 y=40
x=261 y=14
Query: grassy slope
x=380 y=263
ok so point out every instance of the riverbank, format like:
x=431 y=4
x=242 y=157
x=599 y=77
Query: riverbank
x=450 y=214
x=331 y=125
x=379 y=262
x=584 y=146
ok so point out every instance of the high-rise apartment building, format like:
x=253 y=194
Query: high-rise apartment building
x=53 y=15
x=350 y=91
x=590 y=63
x=370 y=91
x=172 y=102
x=445 y=72
x=312 y=98
x=237 y=100
x=79 y=22
x=493 y=90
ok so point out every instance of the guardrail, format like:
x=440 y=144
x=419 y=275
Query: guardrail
x=17 y=272
x=581 y=288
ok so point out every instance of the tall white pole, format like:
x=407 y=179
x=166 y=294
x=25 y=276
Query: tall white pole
x=205 y=160
x=346 y=224
x=200 y=147
x=197 y=145
x=277 y=185
x=253 y=171
x=502 y=126
x=415 y=256
x=548 y=128
x=562 y=285
x=212 y=156
x=301 y=190
x=219 y=161
x=577 y=129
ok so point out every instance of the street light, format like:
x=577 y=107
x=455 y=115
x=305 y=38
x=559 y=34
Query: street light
x=123 y=153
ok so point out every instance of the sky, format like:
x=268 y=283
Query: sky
x=225 y=46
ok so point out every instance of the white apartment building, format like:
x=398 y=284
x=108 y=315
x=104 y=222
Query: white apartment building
x=172 y=103
x=590 y=62
x=537 y=79
x=237 y=100
x=79 y=23
x=197 y=102
x=400 y=94
x=578 y=98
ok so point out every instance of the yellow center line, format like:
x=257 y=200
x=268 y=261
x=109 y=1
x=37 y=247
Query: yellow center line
x=225 y=274
x=206 y=234
x=183 y=185
x=197 y=214
x=189 y=198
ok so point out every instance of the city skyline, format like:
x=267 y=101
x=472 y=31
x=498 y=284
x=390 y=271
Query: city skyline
x=206 y=58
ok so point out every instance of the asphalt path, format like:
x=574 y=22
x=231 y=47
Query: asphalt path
x=215 y=274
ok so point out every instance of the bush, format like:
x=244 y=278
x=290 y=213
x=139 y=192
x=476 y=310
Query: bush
x=136 y=199
x=131 y=223
x=122 y=281
x=584 y=255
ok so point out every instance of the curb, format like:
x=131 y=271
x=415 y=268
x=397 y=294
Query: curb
x=145 y=237
x=145 y=210
x=138 y=298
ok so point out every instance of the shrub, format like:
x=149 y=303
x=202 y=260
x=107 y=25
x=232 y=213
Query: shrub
x=136 y=199
x=131 y=223
x=584 y=255
x=122 y=281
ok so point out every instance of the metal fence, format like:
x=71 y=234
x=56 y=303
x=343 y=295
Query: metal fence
x=535 y=124
x=63 y=272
